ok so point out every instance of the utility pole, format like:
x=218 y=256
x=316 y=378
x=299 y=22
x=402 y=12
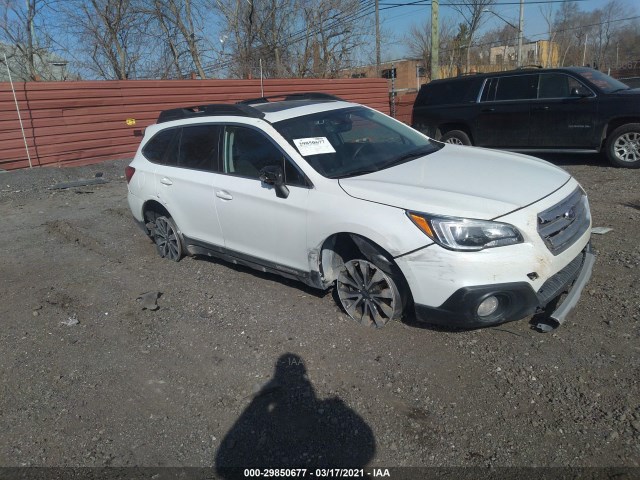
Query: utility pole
x=520 y=33
x=435 y=41
x=377 y=39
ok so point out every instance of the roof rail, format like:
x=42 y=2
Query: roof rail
x=292 y=96
x=215 y=109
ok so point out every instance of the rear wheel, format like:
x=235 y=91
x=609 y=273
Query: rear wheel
x=369 y=295
x=167 y=239
x=623 y=146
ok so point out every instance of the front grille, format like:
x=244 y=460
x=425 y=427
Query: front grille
x=561 y=225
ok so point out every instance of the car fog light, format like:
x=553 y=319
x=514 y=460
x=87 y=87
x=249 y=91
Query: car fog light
x=488 y=306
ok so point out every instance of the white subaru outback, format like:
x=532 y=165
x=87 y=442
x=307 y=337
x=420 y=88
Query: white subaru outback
x=334 y=193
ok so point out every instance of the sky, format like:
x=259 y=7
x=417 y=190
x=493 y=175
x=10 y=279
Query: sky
x=400 y=19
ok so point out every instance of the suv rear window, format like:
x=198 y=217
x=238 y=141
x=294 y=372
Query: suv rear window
x=450 y=91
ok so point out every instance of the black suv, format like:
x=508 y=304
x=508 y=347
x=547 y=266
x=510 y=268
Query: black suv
x=572 y=109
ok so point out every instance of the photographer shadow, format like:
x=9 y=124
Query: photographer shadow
x=287 y=426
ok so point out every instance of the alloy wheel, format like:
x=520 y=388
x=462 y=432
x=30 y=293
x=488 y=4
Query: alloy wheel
x=368 y=294
x=627 y=147
x=167 y=239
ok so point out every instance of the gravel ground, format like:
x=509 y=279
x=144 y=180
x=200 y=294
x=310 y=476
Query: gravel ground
x=242 y=368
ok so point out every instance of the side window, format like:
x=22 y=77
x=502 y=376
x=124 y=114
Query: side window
x=577 y=88
x=199 y=147
x=247 y=151
x=158 y=147
x=489 y=91
x=517 y=87
x=553 y=85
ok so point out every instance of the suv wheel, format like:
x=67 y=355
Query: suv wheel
x=623 y=146
x=368 y=294
x=457 y=137
x=167 y=238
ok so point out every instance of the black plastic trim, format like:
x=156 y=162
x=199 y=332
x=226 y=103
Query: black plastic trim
x=198 y=247
x=291 y=96
x=517 y=300
x=214 y=109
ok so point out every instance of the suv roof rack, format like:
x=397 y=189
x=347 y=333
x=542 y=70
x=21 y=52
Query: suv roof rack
x=209 y=110
x=292 y=96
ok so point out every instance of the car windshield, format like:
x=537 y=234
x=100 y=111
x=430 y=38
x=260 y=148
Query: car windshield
x=603 y=81
x=353 y=141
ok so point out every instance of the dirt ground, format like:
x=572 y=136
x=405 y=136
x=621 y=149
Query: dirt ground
x=246 y=369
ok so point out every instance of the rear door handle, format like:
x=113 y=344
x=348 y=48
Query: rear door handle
x=541 y=109
x=224 y=195
x=166 y=181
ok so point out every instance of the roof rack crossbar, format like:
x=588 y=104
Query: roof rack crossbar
x=215 y=109
x=291 y=96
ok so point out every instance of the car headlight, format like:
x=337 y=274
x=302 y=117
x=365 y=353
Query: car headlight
x=465 y=233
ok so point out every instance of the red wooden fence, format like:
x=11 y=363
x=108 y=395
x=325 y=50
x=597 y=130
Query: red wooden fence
x=67 y=123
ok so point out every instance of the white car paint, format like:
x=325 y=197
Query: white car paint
x=246 y=217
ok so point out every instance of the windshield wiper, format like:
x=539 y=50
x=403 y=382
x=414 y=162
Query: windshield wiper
x=355 y=173
x=620 y=89
x=421 y=152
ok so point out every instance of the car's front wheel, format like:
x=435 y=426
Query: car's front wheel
x=457 y=137
x=623 y=146
x=368 y=294
x=167 y=238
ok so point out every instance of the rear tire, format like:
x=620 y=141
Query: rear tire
x=456 y=137
x=623 y=146
x=167 y=238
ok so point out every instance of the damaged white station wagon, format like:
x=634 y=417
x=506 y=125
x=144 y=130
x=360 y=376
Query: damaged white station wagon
x=334 y=193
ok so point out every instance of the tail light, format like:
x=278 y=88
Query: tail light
x=128 y=173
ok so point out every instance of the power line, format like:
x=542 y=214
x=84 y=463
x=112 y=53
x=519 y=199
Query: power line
x=338 y=18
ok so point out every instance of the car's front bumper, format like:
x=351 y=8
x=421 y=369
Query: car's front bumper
x=516 y=299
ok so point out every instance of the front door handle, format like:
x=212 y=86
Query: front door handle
x=488 y=110
x=224 y=195
x=540 y=109
x=166 y=181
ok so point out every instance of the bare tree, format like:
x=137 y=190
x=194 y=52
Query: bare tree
x=547 y=12
x=418 y=40
x=256 y=31
x=177 y=21
x=472 y=12
x=299 y=38
x=110 y=37
x=334 y=30
x=18 y=26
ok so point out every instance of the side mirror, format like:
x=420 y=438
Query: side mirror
x=273 y=175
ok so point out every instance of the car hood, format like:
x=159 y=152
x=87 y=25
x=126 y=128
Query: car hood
x=460 y=181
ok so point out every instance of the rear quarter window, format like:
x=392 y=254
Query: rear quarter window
x=156 y=149
x=449 y=92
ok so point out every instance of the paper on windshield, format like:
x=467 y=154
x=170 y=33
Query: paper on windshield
x=313 y=146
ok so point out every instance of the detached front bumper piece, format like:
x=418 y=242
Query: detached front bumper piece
x=514 y=300
x=560 y=314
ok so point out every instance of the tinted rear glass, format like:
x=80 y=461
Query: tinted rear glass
x=157 y=147
x=448 y=92
x=517 y=87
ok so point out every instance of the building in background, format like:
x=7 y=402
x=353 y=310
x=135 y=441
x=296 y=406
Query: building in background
x=543 y=52
x=48 y=66
x=406 y=74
